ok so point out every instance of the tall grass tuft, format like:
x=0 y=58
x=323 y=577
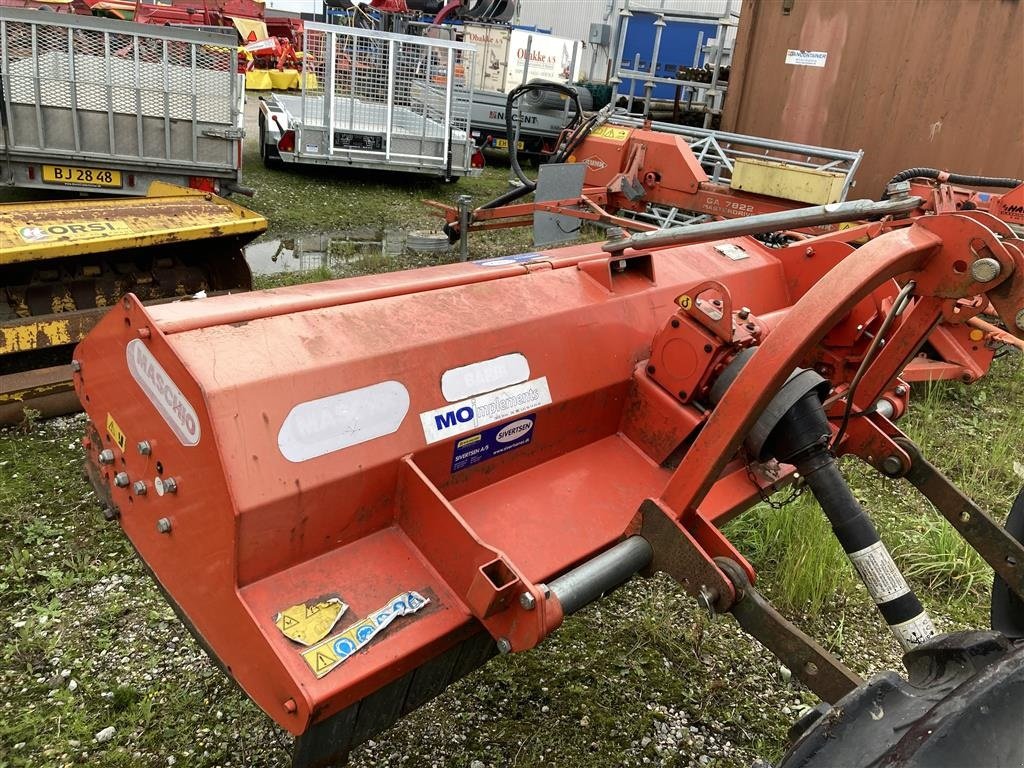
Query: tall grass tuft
x=795 y=551
x=940 y=557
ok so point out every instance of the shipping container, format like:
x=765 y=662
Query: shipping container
x=935 y=83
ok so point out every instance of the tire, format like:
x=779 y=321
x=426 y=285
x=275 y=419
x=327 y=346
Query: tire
x=1007 y=608
x=959 y=706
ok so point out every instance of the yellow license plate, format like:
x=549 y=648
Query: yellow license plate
x=503 y=144
x=81 y=177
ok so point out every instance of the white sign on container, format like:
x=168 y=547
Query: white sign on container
x=806 y=58
x=550 y=58
x=491 y=45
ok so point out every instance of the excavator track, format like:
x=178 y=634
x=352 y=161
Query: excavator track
x=64 y=263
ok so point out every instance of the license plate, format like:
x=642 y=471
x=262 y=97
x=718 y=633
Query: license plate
x=81 y=177
x=503 y=144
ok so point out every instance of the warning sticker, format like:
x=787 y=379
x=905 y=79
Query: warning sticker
x=325 y=656
x=115 y=433
x=613 y=132
x=914 y=632
x=311 y=621
x=879 y=573
x=492 y=442
x=483 y=410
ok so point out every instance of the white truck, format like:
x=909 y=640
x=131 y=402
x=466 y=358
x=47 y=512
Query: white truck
x=107 y=106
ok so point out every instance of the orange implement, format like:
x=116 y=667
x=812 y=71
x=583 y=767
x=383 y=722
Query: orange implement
x=356 y=491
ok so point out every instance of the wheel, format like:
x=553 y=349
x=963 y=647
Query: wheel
x=1007 y=607
x=959 y=706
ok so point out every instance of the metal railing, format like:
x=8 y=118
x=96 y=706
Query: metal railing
x=402 y=98
x=81 y=87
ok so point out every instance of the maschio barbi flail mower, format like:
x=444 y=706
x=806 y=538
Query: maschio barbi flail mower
x=356 y=492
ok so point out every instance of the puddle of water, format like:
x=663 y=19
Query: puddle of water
x=329 y=249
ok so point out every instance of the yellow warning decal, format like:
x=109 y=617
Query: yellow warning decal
x=326 y=655
x=73 y=230
x=312 y=621
x=685 y=301
x=469 y=441
x=115 y=433
x=612 y=132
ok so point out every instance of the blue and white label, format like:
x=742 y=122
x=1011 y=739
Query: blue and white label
x=492 y=442
x=477 y=412
x=515 y=258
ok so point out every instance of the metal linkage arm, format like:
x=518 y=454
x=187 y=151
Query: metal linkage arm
x=815 y=667
x=999 y=549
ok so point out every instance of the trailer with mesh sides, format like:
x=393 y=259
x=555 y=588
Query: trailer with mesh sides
x=108 y=106
x=363 y=105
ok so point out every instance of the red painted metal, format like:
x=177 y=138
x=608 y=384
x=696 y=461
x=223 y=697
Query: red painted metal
x=251 y=529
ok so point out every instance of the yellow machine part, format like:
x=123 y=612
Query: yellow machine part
x=30 y=231
x=789 y=182
x=63 y=263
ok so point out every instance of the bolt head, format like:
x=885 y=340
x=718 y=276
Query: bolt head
x=165 y=485
x=76 y=366
x=528 y=601
x=145 y=448
x=106 y=456
x=892 y=465
x=985 y=270
x=163 y=525
x=121 y=480
x=706 y=600
x=504 y=646
x=139 y=487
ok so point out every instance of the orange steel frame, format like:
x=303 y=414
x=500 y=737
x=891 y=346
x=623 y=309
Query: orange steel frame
x=249 y=533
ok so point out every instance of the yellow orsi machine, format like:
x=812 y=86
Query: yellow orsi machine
x=64 y=263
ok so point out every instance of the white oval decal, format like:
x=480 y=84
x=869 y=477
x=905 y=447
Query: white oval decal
x=163 y=393
x=514 y=431
x=328 y=424
x=485 y=376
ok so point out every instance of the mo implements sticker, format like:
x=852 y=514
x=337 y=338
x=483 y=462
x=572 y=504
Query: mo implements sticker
x=163 y=393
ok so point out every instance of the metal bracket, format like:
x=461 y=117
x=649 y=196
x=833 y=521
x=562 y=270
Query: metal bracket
x=224 y=133
x=815 y=667
x=998 y=548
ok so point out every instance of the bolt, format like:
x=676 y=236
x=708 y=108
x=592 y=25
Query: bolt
x=139 y=487
x=809 y=252
x=290 y=707
x=504 y=646
x=76 y=366
x=616 y=233
x=1019 y=320
x=811 y=668
x=528 y=601
x=121 y=479
x=744 y=313
x=163 y=525
x=901 y=390
x=165 y=485
x=986 y=270
x=145 y=448
x=144 y=333
x=109 y=513
x=706 y=600
x=106 y=456
x=892 y=465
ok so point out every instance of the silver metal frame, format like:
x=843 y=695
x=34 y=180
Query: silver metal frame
x=151 y=101
x=379 y=85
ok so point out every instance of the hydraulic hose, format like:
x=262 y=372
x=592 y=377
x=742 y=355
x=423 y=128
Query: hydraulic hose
x=954 y=178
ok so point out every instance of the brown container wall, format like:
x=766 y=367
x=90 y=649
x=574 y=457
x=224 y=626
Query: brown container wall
x=936 y=83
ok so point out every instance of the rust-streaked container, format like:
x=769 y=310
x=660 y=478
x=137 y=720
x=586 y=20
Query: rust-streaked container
x=936 y=83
